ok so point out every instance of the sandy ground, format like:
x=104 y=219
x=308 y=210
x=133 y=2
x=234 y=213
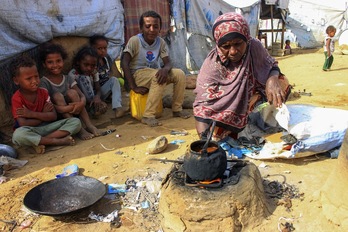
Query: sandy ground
x=116 y=159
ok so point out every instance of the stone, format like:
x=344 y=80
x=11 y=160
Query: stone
x=157 y=145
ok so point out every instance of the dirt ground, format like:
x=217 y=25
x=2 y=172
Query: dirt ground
x=115 y=159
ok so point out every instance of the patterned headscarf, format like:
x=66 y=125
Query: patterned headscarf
x=228 y=27
x=230 y=23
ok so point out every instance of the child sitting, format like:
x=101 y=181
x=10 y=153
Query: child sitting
x=108 y=75
x=287 y=45
x=85 y=73
x=33 y=112
x=65 y=94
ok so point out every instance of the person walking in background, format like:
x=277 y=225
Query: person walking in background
x=141 y=66
x=66 y=96
x=329 y=47
x=109 y=75
x=35 y=117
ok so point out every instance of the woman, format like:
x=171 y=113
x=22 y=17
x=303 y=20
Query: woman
x=237 y=74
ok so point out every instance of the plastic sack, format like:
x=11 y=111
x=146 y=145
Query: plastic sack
x=70 y=170
x=318 y=129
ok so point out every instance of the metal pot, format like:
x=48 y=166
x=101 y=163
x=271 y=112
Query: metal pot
x=6 y=150
x=205 y=165
x=205 y=159
x=64 y=195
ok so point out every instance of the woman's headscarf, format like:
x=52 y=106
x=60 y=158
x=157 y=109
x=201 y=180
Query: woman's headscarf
x=224 y=89
x=227 y=27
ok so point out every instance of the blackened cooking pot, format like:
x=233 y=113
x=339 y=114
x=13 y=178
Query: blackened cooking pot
x=202 y=163
x=64 y=195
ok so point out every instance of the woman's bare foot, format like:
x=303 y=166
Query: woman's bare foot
x=92 y=129
x=84 y=135
x=39 y=149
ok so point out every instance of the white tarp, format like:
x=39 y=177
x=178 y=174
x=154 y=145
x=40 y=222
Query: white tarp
x=25 y=24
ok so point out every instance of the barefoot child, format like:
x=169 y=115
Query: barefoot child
x=108 y=74
x=33 y=112
x=329 y=47
x=67 y=98
x=85 y=73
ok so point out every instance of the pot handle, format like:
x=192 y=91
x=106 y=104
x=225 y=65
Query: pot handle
x=204 y=149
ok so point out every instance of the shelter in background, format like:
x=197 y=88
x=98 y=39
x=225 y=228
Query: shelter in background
x=308 y=20
x=273 y=13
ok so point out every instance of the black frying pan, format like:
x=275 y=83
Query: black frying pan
x=64 y=195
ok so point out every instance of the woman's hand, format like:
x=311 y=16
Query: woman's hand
x=274 y=92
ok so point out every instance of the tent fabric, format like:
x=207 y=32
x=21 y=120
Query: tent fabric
x=26 y=24
x=201 y=14
x=193 y=19
x=135 y=8
x=266 y=12
x=309 y=19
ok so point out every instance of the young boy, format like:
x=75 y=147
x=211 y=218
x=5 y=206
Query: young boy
x=33 y=112
x=143 y=72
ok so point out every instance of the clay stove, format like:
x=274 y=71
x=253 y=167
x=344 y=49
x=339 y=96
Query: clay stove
x=228 y=204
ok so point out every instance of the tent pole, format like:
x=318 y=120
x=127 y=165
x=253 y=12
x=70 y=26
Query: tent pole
x=276 y=36
x=283 y=29
x=272 y=23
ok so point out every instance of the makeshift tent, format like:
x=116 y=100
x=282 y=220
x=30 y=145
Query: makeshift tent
x=309 y=19
x=273 y=11
x=26 y=24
